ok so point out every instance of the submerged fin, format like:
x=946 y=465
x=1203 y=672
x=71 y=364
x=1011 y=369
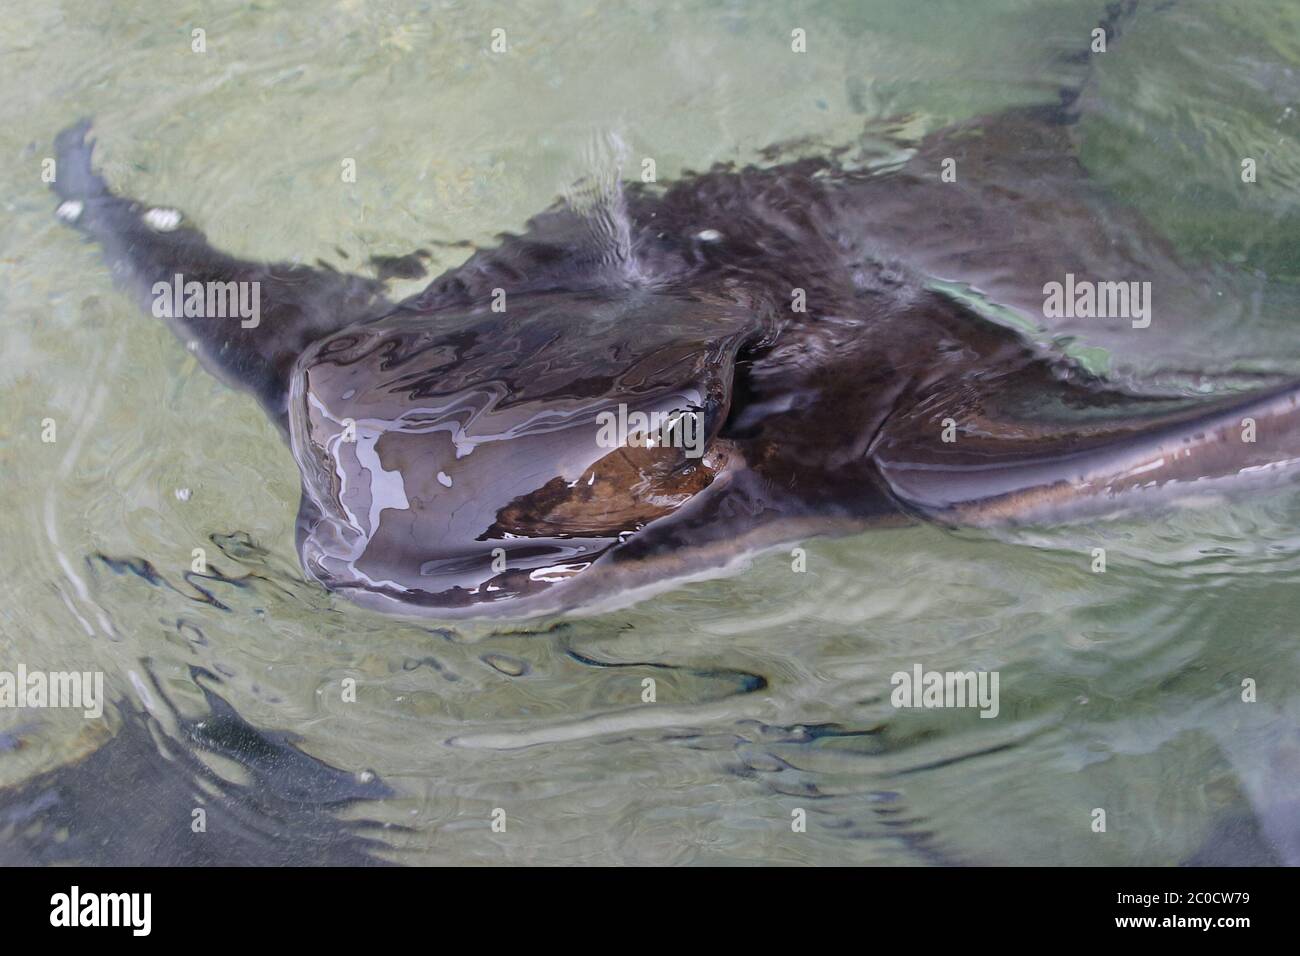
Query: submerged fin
x=1003 y=206
x=1033 y=447
x=145 y=246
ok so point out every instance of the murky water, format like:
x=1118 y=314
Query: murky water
x=1120 y=691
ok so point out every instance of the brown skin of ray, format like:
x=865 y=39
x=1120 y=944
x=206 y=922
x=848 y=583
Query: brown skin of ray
x=623 y=491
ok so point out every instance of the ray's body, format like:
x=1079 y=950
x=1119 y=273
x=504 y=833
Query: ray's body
x=449 y=450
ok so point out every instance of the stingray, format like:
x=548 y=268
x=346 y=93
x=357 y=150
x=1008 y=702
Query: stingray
x=649 y=388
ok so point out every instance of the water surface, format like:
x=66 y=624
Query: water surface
x=1119 y=691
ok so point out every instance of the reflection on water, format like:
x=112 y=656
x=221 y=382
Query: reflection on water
x=308 y=730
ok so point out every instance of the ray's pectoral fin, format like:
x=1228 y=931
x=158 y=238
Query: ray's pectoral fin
x=246 y=322
x=1034 y=445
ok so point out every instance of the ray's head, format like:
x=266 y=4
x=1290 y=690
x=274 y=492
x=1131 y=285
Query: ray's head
x=478 y=460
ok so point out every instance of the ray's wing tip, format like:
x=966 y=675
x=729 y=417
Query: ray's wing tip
x=75 y=179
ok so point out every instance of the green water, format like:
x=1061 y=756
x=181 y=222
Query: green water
x=1120 y=691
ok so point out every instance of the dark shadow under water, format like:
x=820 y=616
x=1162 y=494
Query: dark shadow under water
x=132 y=802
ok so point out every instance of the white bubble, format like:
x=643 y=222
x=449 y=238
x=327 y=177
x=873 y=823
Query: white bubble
x=70 y=211
x=164 y=220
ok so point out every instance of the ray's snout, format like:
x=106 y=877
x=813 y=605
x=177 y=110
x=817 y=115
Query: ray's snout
x=479 y=457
